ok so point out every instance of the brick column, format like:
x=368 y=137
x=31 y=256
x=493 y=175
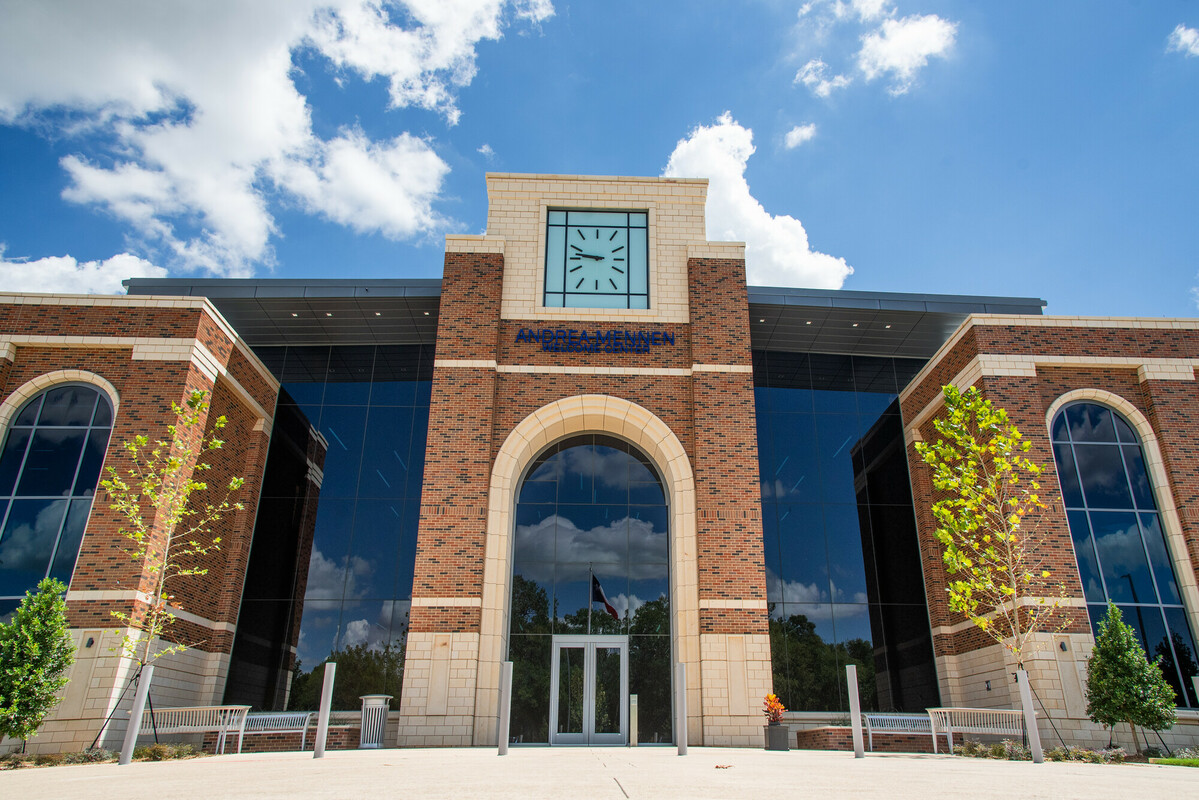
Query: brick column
x=734 y=635
x=441 y=662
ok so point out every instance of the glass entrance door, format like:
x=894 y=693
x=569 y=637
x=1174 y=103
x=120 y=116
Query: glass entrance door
x=589 y=690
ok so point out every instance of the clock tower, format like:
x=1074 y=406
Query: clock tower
x=590 y=509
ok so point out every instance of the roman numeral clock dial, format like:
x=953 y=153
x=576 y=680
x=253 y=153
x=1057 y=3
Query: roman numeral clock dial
x=596 y=259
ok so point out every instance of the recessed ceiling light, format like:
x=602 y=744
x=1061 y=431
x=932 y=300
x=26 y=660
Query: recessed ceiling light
x=888 y=326
x=761 y=320
x=809 y=322
x=426 y=313
x=294 y=314
x=380 y=313
x=855 y=324
x=328 y=313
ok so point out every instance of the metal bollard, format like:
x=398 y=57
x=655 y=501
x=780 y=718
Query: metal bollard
x=505 y=706
x=680 y=725
x=855 y=709
x=135 y=715
x=632 y=720
x=322 y=720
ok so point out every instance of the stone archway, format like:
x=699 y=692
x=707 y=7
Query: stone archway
x=548 y=424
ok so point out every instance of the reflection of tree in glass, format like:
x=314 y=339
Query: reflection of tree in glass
x=360 y=670
x=530 y=607
x=808 y=671
x=649 y=670
x=1186 y=660
x=570 y=691
x=530 y=657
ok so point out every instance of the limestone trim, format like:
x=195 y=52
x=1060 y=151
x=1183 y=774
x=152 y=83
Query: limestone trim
x=727 y=250
x=556 y=370
x=1032 y=321
x=549 y=369
x=122 y=595
x=996 y=365
x=447 y=602
x=35 y=386
x=8 y=351
x=958 y=627
x=1155 y=465
x=144 y=301
x=469 y=243
x=546 y=425
x=463 y=363
x=148 y=348
x=730 y=604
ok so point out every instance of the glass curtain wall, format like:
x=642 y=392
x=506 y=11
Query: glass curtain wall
x=1118 y=541
x=344 y=591
x=591 y=507
x=843 y=575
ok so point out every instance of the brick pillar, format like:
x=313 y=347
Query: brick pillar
x=441 y=662
x=734 y=635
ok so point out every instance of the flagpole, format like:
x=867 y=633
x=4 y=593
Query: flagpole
x=590 y=596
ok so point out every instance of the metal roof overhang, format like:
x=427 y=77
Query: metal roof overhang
x=405 y=311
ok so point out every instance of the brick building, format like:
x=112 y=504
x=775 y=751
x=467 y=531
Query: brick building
x=591 y=450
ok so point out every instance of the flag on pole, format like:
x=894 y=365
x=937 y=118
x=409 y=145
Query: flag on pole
x=598 y=596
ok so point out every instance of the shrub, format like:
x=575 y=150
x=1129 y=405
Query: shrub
x=1005 y=750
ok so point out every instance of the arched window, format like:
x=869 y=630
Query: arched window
x=590 y=560
x=1118 y=538
x=49 y=468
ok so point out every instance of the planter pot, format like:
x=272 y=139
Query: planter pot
x=778 y=737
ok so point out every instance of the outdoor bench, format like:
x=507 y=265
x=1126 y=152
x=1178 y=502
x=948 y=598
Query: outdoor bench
x=280 y=722
x=990 y=721
x=221 y=720
x=877 y=722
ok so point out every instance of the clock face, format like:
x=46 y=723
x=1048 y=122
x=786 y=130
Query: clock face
x=596 y=259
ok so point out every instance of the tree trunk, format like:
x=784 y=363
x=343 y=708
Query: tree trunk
x=1136 y=747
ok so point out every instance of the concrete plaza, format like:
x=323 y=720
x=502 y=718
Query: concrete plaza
x=593 y=773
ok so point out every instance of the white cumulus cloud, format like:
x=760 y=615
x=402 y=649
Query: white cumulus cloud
x=777 y=251
x=901 y=47
x=799 y=134
x=67 y=275
x=190 y=123
x=815 y=76
x=487 y=151
x=888 y=45
x=1184 y=40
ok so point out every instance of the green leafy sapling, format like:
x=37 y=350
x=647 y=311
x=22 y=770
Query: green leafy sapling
x=988 y=522
x=168 y=536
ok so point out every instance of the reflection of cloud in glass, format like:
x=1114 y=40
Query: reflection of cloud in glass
x=1121 y=549
x=391 y=618
x=26 y=546
x=576 y=548
x=610 y=467
x=329 y=579
x=811 y=599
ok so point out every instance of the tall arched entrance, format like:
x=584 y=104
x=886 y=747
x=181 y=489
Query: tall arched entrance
x=589 y=621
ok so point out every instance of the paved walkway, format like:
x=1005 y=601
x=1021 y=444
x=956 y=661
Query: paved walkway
x=597 y=774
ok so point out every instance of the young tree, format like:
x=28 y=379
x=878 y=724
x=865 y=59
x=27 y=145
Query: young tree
x=168 y=536
x=988 y=522
x=1122 y=684
x=35 y=653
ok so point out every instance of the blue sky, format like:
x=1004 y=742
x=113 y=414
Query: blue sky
x=1020 y=148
